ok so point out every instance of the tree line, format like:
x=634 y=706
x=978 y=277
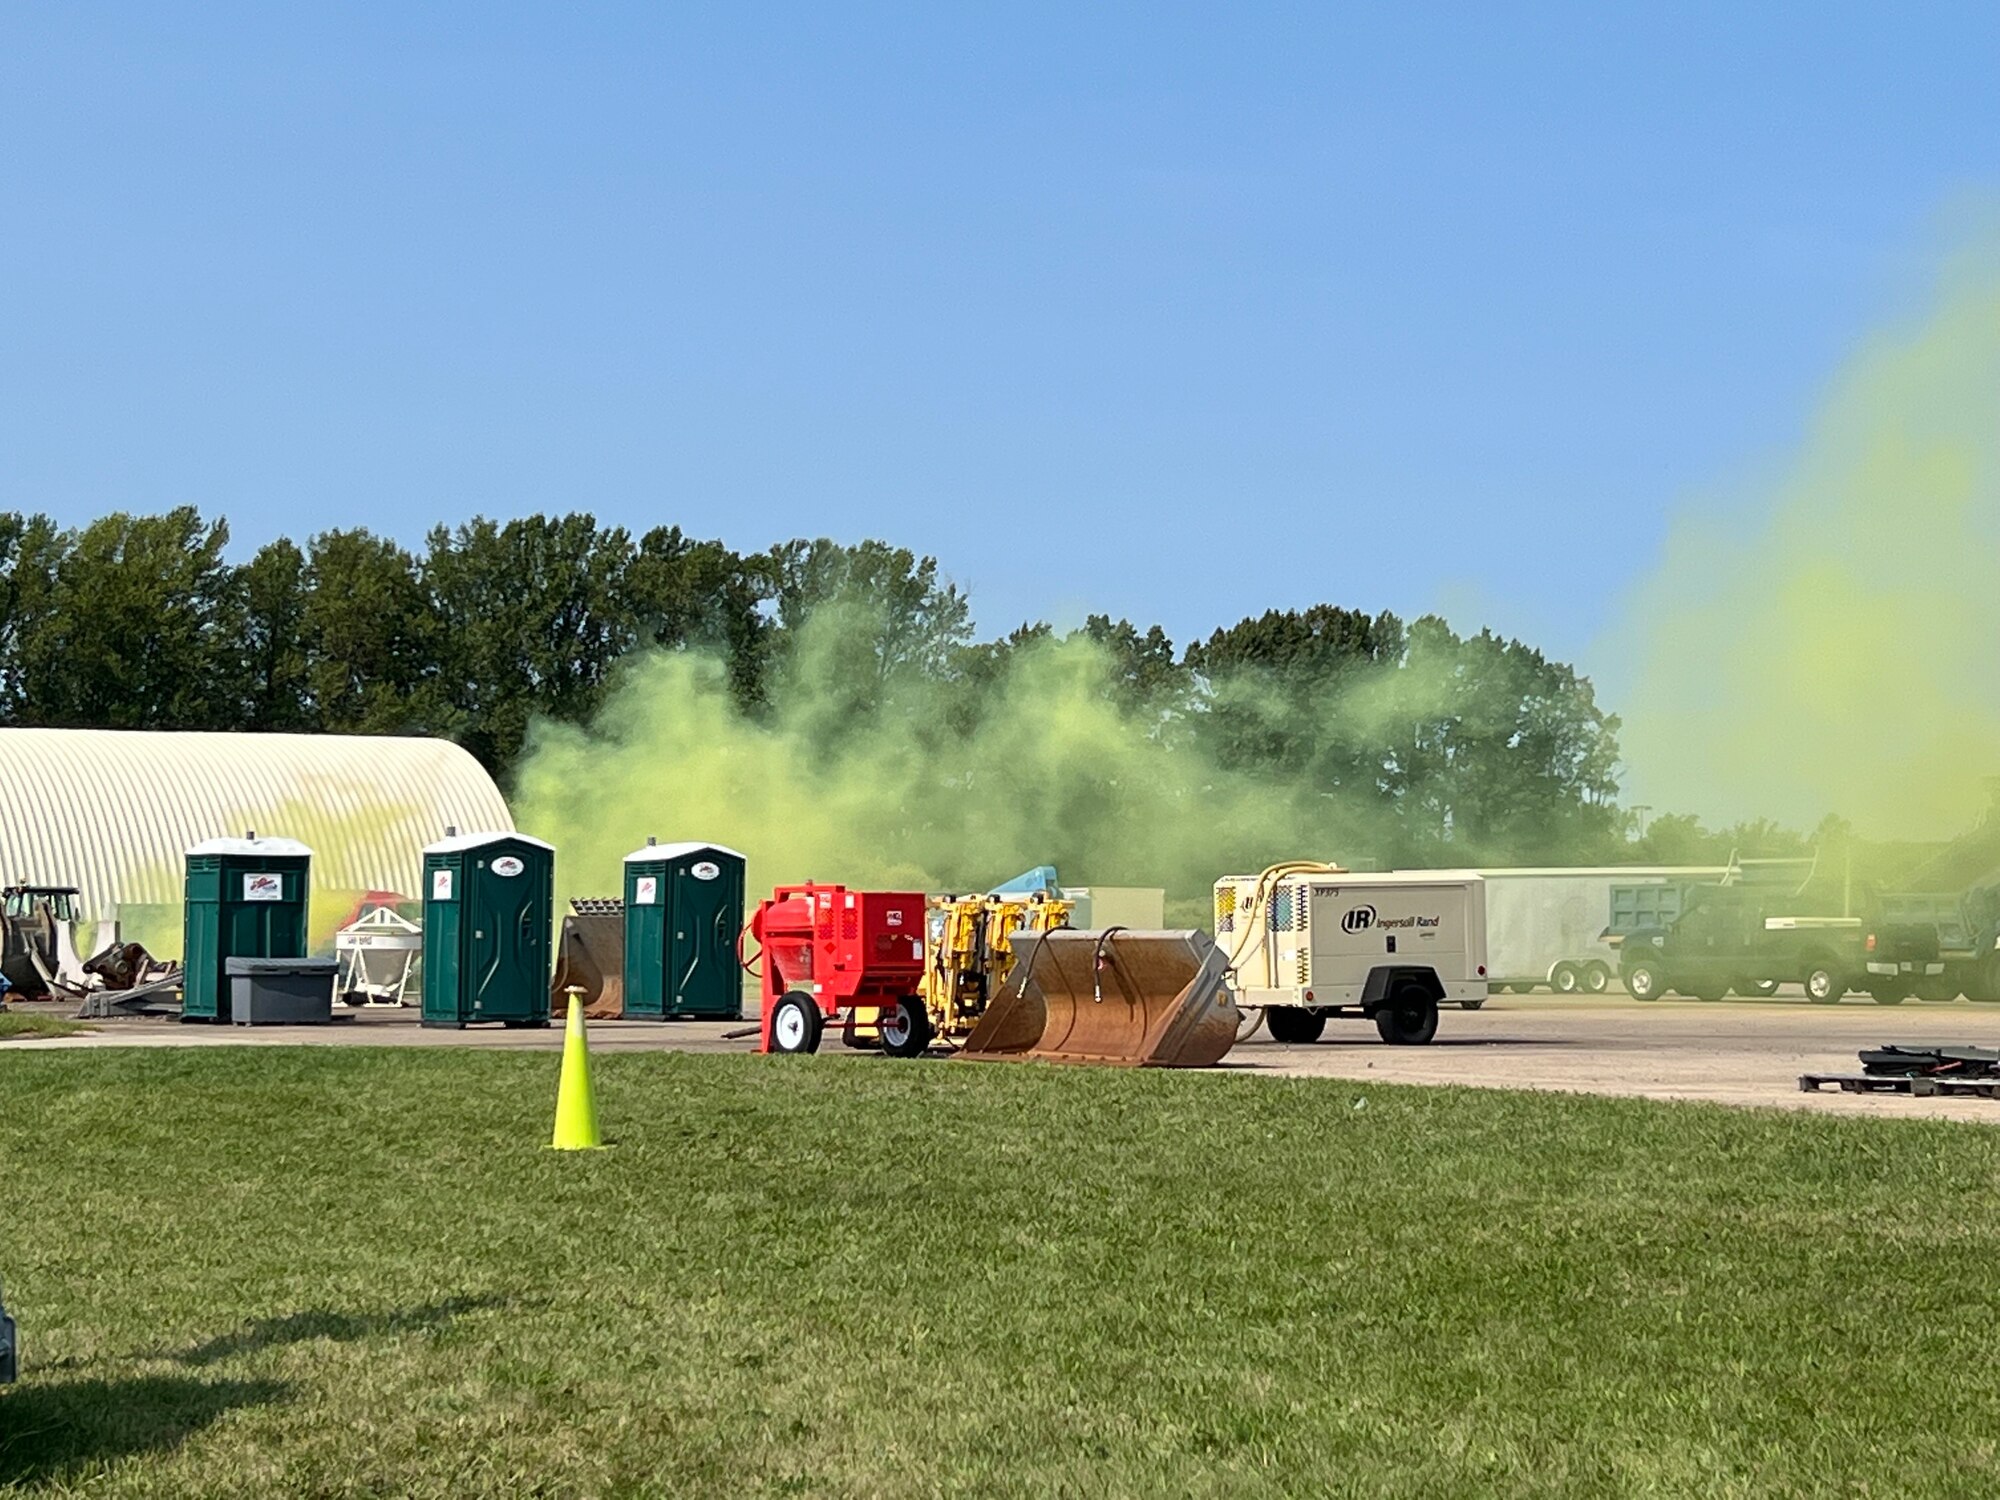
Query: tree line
x=142 y=622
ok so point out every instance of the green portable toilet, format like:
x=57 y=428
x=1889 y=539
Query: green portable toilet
x=243 y=898
x=683 y=911
x=489 y=910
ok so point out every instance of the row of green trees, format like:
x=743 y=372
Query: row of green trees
x=143 y=622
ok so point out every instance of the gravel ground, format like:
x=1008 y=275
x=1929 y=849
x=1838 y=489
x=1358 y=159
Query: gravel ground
x=1735 y=1052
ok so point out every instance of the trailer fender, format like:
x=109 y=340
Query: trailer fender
x=1383 y=982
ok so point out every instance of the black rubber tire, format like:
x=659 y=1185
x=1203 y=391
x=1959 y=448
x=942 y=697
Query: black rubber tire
x=1982 y=982
x=1823 y=986
x=1752 y=989
x=1564 y=979
x=1936 y=991
x=1294 y=1025
x=906 y=1028
x=1471 y=1004
x=1710 y=996
x=799 y=1035
x=1643 y=982
x=1596 y=978
x=1410 y=1019
x=1888 y=996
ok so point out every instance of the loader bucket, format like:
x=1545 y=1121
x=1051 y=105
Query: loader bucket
x=1114 y=997
x=590 y=953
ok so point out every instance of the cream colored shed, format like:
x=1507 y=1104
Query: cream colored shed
x=113 y=812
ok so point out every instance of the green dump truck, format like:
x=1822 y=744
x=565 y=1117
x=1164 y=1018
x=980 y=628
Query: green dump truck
x=1939 y=946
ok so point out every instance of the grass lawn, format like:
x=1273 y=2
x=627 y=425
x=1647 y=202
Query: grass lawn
x=333 y=1271
x=15 y=1023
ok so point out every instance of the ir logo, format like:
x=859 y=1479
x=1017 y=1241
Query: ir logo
x=1360 y=919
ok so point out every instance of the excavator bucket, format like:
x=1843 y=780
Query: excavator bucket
x=590 y=954
x=1115 y=997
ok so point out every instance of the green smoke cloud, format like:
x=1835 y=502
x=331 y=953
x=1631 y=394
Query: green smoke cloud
x=926 y=785
x=1829 y=648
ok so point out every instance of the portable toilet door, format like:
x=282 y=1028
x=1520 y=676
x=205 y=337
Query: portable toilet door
x=489 y=909
x=243 y=898
x=683 y=913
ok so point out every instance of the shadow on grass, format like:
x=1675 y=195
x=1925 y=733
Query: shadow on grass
x=320 y=1323
x=50 y=1430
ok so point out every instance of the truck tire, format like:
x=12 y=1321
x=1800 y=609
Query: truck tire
x=906 y=1028
x=1410 y=1019
x=1642 y=982
x=1981 y=981
x=1889 y=994
x=1596 y=977
x=1294 y=1025
x=1936 y=991
x=1564 y=979
x=1750 y=989
x=796 y=1023
x=1823 y=986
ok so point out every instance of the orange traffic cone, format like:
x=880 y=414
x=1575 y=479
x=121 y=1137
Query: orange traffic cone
x=576 y=1104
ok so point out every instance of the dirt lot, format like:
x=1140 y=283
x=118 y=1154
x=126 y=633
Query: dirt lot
x=1740 y=1052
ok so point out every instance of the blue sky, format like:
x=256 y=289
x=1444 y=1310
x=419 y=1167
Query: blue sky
x=1172 y=312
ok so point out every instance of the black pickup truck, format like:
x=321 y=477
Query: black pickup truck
x=1723 y=942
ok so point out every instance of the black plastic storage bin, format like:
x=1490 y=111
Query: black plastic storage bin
x=280 y=991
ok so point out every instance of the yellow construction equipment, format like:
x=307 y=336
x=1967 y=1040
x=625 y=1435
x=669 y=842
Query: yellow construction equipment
x=968 y=953
x=590 y=956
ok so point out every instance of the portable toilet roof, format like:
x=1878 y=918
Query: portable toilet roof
x=457 y=843
x=675 y=851
x=251 y=845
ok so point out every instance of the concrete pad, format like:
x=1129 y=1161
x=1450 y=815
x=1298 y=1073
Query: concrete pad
x=1743 y=1053
x=1734 y=1052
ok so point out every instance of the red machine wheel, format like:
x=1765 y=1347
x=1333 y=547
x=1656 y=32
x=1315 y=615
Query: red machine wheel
x=796 y=1024
x=906 y=1028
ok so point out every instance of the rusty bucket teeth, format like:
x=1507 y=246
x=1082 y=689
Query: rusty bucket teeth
x=1114 y=997
x=590 y=954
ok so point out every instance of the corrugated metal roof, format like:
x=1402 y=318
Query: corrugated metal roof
x=114 y=812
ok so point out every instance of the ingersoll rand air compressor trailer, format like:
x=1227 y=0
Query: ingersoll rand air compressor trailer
x=1305 y=945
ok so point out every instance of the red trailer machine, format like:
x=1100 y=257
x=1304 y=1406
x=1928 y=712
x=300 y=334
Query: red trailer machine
x=828 y=952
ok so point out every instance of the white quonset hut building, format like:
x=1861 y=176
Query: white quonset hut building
x=113 y=812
